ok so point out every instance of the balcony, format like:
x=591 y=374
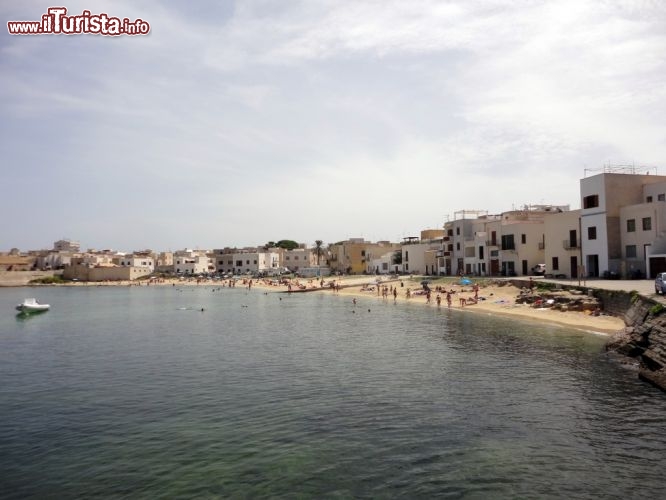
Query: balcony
x=491 y=243
x=447 y=254
x=571 y=244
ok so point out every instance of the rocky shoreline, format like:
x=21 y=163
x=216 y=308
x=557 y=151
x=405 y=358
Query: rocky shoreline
x=644 y=339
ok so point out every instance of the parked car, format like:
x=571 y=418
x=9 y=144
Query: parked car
x=660 y=283
x=539 y=269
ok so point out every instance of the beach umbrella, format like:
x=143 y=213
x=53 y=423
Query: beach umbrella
x=465 y=281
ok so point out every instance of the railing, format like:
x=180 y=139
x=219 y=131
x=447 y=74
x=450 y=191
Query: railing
x=491 y=243
x=571 y=245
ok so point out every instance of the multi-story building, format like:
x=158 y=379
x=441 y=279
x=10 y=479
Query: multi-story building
x=193 y=262
x=422 y=256
x=137 y=260
x=509 y=244
x=602 y=222
x=297 y=259
x=562 y=250
x=230 y=262
x=353 y=256
x=66 y=246
x=464 y=245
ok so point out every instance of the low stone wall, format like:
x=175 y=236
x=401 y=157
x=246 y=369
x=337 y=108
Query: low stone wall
x=22 y=278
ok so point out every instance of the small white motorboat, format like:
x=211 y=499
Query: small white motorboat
x=31 y=305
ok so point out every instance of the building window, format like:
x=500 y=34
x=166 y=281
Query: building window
x=556 y=263
x=592 y=233
x=631 y=225
x=648 y=199
x=591 y=201
x=661 y=197
x=507 y=242
x=457 y=246
x=631 y=251
x=458 y=231
x=523 y=238
x=406 y=256
x=647 y=223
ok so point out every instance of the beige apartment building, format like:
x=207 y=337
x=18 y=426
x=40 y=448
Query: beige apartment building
x=562 y=243
x=643 y=233
x=603 y=197
x=84 y=272
x=298 y=258
x=510 y=244
x=353 y=256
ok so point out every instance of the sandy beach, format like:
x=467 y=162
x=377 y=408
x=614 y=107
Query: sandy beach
x=493 y=298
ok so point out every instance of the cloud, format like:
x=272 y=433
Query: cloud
x=358 y=117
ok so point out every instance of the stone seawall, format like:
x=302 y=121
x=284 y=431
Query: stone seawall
x=22 y=278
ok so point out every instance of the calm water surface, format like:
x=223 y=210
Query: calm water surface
x=135 y=392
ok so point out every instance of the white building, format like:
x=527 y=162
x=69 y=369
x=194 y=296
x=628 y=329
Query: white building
x=66 y=246
x=142 y=261
x=602 y=198
x=246 y=262
x=384 y=264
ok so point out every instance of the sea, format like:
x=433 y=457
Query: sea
x=202 y=392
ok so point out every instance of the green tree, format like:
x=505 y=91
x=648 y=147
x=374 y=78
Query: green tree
x=318 y=249
x=287 y=244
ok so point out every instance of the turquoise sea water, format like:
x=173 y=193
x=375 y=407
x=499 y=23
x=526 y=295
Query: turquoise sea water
x=134 y=392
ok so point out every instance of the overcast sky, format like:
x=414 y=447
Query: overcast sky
x=235 y=123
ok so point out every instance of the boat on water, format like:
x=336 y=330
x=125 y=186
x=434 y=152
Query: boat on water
x=31 y=305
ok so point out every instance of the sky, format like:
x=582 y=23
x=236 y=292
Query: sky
x=237 y=123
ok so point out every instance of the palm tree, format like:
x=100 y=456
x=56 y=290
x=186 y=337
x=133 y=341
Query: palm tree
x=318 y=244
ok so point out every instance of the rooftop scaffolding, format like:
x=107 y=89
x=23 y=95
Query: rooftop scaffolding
x=632 y=169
